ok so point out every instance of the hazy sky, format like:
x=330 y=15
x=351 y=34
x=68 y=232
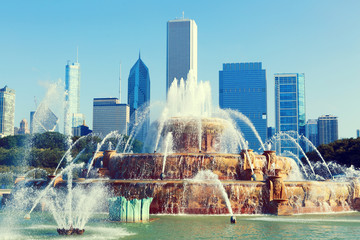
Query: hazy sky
x=318 y=38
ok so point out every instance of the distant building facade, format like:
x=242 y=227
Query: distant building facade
x=7 y=111
x=290 y=112
x=73 y=117
x=81 y=130
x=110 y=115
x=24 y=127
x=43 y=120
x=311 y=131
x=327 y=129
x=139 y=95
x=181 y=52
x=242 y=87
x=270 y=132
x=358 y=133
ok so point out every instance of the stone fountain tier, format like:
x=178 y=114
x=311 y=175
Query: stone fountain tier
x=186 y=133
x=273 y=196
x=187 y=165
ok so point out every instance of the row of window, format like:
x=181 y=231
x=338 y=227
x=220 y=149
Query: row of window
x=288 y=112
x=286 y=80
x=288 y=120
x=292 y=127
x=288 y=104
x=242 y=90
x=287 y=96
x=288 y=88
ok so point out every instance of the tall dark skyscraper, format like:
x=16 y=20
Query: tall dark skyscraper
x=290 y=107
x=242 y=87
x=139 y=94
x=181 y=52
x=327 y=129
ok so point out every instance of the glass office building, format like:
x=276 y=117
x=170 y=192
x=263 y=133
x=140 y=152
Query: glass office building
x=327 y=129
x=73 y=117
x=7 y=111
x=312 y=133
x=181 y=54
x=43 y=120
x=290 y=107
x=242 y=87
x=139 y=94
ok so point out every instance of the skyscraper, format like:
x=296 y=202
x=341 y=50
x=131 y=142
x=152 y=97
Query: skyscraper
x=73 y=117
x=242 y=87
x=81 y=130
x=358 y=133
x=270 y=132
x=311 y=131
x=24 y=127
x=327 y=129
x=290 y=107
x=181 y=50
x=139 y=94
x=110 y=115
x=7 y=111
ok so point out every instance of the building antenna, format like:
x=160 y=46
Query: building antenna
x=120 y=83
x=77 y=54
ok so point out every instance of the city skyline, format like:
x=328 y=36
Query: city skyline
x=326 y=49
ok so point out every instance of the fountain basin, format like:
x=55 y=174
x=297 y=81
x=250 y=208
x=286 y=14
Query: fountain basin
x=187 y=165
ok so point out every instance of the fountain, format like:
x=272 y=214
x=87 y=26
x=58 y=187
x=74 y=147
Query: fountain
x=201 y=165
x=204 y=138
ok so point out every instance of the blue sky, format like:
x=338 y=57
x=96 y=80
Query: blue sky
x=319 y=38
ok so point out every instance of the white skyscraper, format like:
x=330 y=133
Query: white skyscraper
x=73 y=117
x=7 y=111
x=181 y=50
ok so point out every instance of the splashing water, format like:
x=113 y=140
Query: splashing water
x=246 y=120
x=68 y=152
x=297 y=160
x=168 y=148
x=111 y=134
x=299 y=147
x=207 y=176
x=143 y=115
x=44 y=192
x=313 y=147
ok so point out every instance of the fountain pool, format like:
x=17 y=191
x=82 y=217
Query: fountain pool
x=313 y=226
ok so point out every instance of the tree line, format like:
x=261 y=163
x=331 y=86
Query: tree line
x=45 y=150
x=345 y=152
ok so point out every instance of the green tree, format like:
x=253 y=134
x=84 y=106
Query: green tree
x=345 y=152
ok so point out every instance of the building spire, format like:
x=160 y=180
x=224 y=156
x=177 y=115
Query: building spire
x=139 y=54
x=77 y=54
x=120 y=83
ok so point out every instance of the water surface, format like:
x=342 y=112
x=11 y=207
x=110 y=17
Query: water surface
x=313 y=226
